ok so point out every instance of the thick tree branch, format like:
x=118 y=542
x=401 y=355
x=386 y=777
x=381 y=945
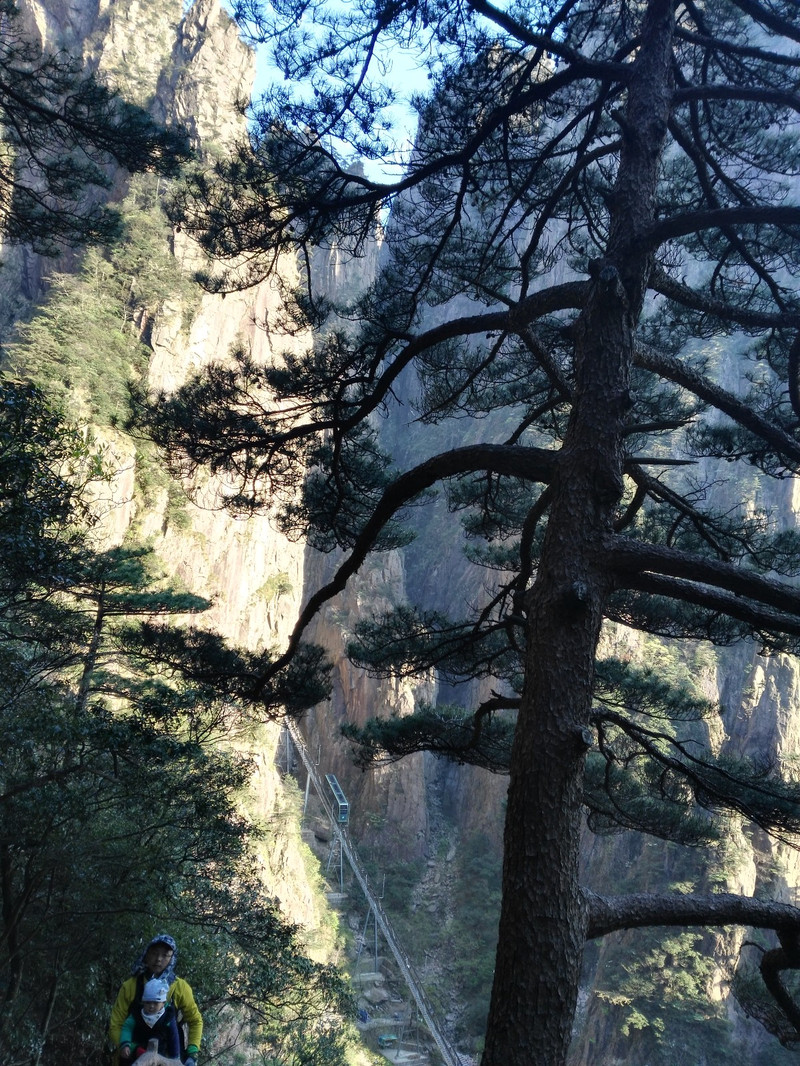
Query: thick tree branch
x=728 y=48
x=587 y=67
x=533 y=464
x=334 y=194
x=683 y=225
x=756 y=616
x=793 y=374
x=757 y=93
x=768 y=17
x=608 y=914
x=633 y=559
x=667 y=366
x=695 y=300
x=772 y=963
x=569 y=296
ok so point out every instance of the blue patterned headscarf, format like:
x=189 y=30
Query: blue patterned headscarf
x=169 y=974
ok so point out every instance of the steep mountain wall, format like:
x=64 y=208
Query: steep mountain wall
x=191 y=68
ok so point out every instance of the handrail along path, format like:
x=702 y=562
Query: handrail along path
x=448 y=1052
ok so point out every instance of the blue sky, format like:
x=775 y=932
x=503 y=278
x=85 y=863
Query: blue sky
x=401 y=71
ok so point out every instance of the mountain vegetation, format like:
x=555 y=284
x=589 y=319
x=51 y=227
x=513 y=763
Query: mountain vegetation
x=588 y=274
x=121 y=780
x=125 y=763
x=87 y=342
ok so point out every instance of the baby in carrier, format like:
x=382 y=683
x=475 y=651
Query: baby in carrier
x=157 y=962
x=153 y=1018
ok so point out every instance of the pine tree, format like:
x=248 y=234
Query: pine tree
x=121 y=783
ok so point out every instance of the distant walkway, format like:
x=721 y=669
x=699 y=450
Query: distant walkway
x=426 y=1010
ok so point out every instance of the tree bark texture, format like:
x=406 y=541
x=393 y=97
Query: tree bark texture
x=543 y=921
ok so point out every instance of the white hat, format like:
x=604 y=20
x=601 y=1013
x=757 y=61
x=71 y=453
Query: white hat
x=155 y=991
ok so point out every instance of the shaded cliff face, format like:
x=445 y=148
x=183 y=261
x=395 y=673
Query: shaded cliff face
x=414 y=803
x=630 y=1012
x=211 y=77
x=388 y=805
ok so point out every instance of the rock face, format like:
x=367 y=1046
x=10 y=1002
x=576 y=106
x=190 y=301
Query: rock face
x=388 y=805
x=192 y=68
x=212 y=76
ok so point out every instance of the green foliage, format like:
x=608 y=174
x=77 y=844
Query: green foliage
x=120 y=810
x=399 y=880
x=45 y=466
x=225 y=399
x=655 y=769
x=176 y=514
x=83 y=342
x=444 y=730
x=661 y=1000
x=151 y=478
x=408 y=641
x=458 y=929
x=79 y=346
x=294 y=1009
x=274 y=587
x=145 y=269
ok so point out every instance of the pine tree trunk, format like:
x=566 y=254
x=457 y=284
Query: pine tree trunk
x=543 y=918
x=90 y=661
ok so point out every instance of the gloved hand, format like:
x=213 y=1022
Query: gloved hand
x=189 y=1061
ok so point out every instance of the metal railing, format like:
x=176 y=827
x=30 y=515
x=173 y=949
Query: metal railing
x=426 y=1010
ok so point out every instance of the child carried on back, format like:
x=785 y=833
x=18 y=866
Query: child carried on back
x=152 y=1019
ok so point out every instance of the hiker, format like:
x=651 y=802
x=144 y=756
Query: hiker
x=153 y=1018
x=159 y=959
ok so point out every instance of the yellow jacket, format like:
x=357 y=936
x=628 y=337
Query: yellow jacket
x=180 y=995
